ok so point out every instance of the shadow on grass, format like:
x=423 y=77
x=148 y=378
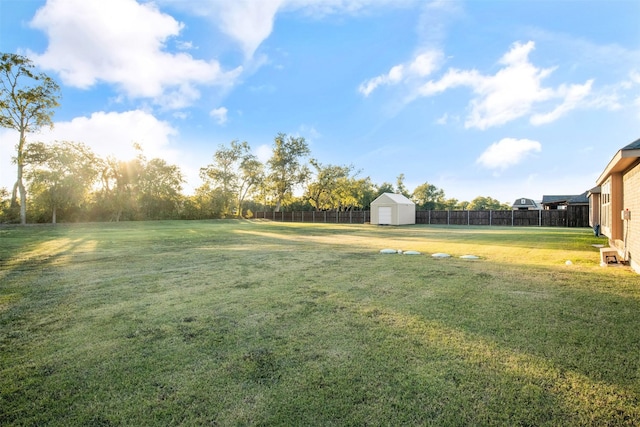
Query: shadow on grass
x=594 y=401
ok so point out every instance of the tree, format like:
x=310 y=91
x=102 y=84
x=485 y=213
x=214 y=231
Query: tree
x=355 y=193
x=140 y=188
x=25 y=108
x=334 y=187
x=366 y=192
x=451 y=204
x=487 y=203
x=120 y=182
x=4 y=204
x=428 y=197
x=286 y=169
x=323 y=192
x=251 y=175
x=60 y=175
x=232 y=176
x=159 y=189
x=400 y=187
x=385 y=187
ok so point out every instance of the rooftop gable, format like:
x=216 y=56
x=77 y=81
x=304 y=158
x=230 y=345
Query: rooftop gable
x=523 y=201
x=395 y=198
x=624 y=158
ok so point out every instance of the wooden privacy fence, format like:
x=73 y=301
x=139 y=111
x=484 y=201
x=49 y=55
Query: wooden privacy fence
x=347 y=217
x=573 y=216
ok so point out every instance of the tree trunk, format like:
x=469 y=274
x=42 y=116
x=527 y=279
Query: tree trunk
x=19 y=183
x=23 y=200
x=53 y=219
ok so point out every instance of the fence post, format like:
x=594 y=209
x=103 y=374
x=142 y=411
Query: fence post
x=468 y=219
x=512 y=211
x=448 y=217
x=539 y=217
x=490 y=218
x=325 y=217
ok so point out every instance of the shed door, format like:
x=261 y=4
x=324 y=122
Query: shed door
x=384 y=215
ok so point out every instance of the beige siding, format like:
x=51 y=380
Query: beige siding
x=403 y=211
x=631 y=180
x=605 y=212
x=612 y=201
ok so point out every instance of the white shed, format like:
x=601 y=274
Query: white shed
x=393 y=209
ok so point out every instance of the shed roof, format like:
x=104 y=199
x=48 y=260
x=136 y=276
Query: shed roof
x=396 y=198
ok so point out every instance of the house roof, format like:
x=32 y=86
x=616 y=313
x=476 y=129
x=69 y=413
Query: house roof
x=396 y=198
x=580 y=198
x=595 y=190
x=523 y=201
x=624 y=158
x=567 y=199
x=555 y=199
x=635 y=145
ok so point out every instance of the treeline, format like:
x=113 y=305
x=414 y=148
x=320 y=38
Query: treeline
x=67 y=182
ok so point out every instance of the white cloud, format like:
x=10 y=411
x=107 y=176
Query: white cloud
x=516 y=90
x=113 y=134
x=500 y=98
x=511 y=92
x=107 y=134
x=507 y=152
x=250 y=22
x=122 y=42
x=421 y=65
x=446 y=118
x=219 y=114
x=573 y=95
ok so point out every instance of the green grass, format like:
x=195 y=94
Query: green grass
x=260 y=323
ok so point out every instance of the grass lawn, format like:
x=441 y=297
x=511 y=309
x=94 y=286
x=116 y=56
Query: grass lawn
x=260 y=323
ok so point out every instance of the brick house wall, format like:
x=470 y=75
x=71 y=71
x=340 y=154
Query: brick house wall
x=631 y=201
x=620 y=190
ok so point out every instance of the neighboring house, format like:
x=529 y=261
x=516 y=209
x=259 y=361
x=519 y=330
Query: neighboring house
x=524 y=204
x=619 y=202
x=562 y=202
x=393 y=209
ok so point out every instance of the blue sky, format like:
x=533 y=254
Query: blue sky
x=505 y=99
